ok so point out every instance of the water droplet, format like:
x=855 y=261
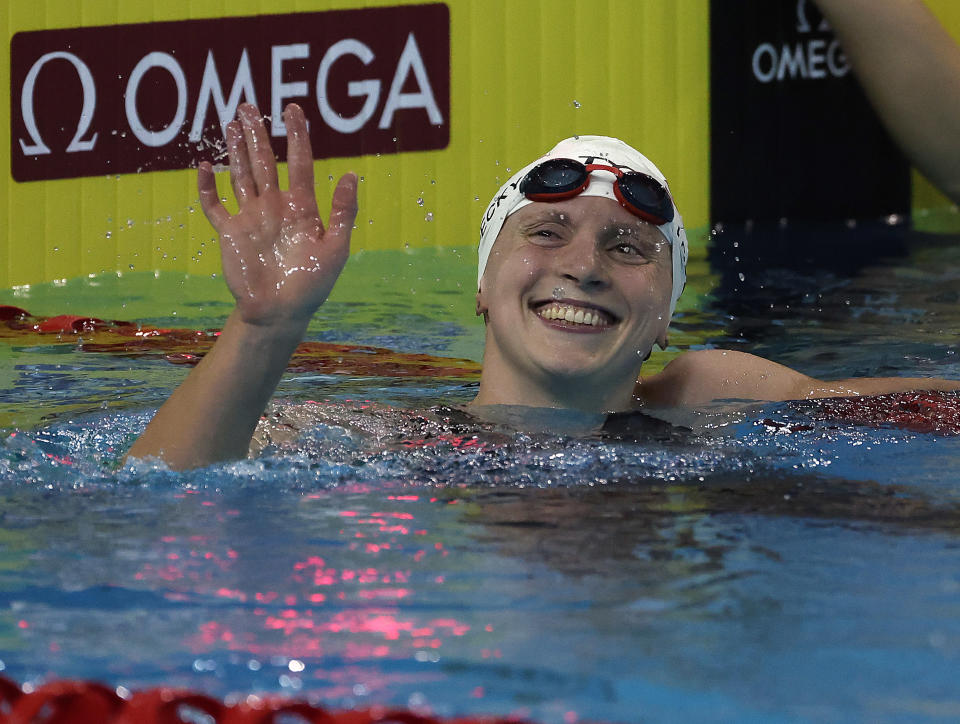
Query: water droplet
x=741 y=277
x=108 y=234
x=429 y=216
x=420 y=201
x=576 y=104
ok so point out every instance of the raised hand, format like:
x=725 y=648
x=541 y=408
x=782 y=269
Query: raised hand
x=279 y=260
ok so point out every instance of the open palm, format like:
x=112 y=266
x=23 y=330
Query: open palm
x=279 y=260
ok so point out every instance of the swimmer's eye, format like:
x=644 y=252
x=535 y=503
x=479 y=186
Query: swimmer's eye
x=544 y=234
x=630 y=252
x=635 y=252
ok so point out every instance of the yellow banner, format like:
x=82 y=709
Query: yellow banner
x=522 y=75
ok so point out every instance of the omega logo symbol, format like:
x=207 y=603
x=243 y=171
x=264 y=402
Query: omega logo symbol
x=38 y=147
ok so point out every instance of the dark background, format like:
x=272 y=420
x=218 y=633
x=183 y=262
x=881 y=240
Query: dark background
x=800 y=148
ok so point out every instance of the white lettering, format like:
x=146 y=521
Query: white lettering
x=280 y=91
x=803 y=26
x=764 y=76
x=801 y=60
x=210 y=89
x=816 y=58
x=837 y=60
x=410 y=59
x=792 y=62
x=38 y=147
x=166 y=61
x=355 y=88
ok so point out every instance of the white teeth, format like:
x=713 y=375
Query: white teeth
x=568 y=313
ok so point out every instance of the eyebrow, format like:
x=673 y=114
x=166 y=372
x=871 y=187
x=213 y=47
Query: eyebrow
x=608 y=232
x=542 y=215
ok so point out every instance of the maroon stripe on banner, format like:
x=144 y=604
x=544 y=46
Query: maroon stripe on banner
x=148 y=97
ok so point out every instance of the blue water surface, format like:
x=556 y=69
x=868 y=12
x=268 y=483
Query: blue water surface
x=771 y=566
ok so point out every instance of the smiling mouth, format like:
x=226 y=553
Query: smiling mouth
x=570 y=314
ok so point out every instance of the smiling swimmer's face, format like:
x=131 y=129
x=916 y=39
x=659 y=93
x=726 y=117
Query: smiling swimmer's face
x=575 y=293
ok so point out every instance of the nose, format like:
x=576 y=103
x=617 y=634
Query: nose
x=581 y=262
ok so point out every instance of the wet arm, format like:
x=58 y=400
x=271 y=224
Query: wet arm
x=909 y=67
x=212 y=415
x=280 y=263
x=700 y=377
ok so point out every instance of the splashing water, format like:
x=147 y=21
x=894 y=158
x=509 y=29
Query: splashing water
x=394 y=551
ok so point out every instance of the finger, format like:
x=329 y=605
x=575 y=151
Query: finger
x=299 y=151
x=240 y=176
x=343 y=212
x=263 y=164
x=210 y=202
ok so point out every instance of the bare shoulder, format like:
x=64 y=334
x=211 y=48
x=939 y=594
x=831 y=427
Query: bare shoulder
x=702 y=376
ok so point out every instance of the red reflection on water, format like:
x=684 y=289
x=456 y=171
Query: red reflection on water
x=352 y=602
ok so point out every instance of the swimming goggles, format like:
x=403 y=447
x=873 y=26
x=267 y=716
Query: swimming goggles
x=562 y=178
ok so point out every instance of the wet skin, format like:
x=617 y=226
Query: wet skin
x=585 y=254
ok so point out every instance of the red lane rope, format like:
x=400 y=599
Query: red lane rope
x=84 y=702
x=186 y=346
x=923 y=411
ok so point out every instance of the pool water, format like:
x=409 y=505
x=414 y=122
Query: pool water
x=774 y=566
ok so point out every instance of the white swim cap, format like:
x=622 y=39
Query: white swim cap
x=588 y=150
